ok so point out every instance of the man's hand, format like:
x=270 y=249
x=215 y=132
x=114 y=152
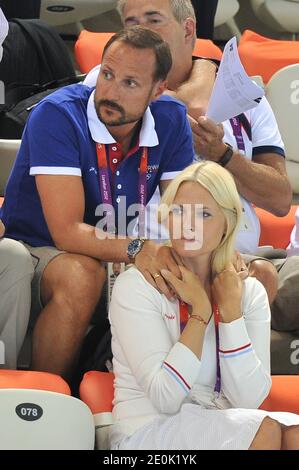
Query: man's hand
x=2 y=229
x=227 y=290
x=208 y=138
x=151 y=260
x=240 y=266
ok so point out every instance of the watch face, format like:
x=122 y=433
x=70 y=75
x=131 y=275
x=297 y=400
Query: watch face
x=133 y=247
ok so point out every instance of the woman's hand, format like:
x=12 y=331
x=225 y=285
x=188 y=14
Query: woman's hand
x=227 y=291
x=190 y=290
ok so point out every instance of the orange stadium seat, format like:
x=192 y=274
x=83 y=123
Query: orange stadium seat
x=284 y=394
x=96 y=390
x=206 y=48
x=276 y=231
x=33 y=380
x=264 y=56
x=89 y=49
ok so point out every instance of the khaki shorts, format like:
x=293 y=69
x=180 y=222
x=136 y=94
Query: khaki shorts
x=41 y=257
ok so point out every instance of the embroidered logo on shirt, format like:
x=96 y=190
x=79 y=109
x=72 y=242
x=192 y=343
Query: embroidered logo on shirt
x=93 y=170
x=169 y=316
x=150 y=170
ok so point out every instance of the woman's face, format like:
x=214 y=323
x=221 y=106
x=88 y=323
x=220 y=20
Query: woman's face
x=196 y=222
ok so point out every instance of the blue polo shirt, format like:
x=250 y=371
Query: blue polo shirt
x=59 y=139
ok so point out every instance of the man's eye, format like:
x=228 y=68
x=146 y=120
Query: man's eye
x=107 y=75
x=129 y=23
x=131 y=83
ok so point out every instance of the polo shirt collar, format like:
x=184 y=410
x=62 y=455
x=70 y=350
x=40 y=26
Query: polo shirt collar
x=99 y=132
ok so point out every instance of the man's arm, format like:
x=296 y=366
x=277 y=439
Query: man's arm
x=195 y=92
x=62 y=199
x=263 y=181
x=271 y=190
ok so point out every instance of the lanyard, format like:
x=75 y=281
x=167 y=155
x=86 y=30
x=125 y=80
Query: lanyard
x=237 y=131
x=184 y=315
x=105 y=186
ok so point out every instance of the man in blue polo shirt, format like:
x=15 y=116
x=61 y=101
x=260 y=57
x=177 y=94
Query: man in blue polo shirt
x=83 y=147
x=16 y=271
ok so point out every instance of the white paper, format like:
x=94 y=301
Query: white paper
x=3 y=31
x=234 y=92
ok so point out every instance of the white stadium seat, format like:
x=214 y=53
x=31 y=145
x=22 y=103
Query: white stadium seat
x=282 y=91
x=43 y=420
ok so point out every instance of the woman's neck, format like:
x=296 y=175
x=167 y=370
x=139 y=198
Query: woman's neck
x=201 y=266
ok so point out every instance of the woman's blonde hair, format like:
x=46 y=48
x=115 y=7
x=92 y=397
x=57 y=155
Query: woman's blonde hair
x=221 y=186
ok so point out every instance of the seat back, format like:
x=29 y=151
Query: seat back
x=37 y=412
x=33 y=380
x=275 y=231
x=282 y=93
x=226 y=10
x=89 y=49
x=43 y=420
x=96 y=390
x=73 y=11
x=264 y=56
x=206 y=48
x=283 y=395
x=8 y=152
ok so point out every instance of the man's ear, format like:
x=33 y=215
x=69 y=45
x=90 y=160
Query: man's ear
x=158 y=89
x=190 y=30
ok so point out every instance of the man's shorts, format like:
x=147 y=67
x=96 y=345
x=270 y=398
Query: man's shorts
x=41 y=257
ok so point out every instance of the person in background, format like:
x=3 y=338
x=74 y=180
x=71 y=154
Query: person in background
x=16 y=271
x=205 y=11
x=190 y=374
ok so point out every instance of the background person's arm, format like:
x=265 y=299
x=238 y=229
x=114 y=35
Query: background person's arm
x=263 y=181
x=196 y=91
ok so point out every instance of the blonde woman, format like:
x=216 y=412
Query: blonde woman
x=190 y=374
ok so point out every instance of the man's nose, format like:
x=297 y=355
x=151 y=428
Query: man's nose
x=112 y=91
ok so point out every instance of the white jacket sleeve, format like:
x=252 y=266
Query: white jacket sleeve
x=165 y=371
x=245 y=350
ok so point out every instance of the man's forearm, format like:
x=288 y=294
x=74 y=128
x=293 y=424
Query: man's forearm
x=261 y=184
x=196 y=91
x=86 y=240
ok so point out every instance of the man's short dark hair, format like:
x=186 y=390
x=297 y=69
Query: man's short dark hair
x=139 y=37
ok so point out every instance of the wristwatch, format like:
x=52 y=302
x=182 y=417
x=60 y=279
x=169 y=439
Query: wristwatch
x=226 y=156
x=134 y=247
